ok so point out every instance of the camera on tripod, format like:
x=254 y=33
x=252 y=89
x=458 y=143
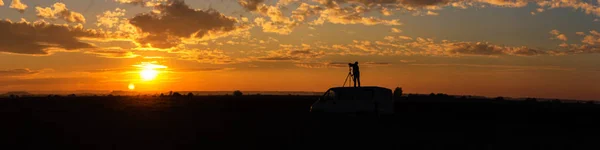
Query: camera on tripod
x=353 y=75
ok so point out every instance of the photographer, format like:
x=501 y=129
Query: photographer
x=355 y=72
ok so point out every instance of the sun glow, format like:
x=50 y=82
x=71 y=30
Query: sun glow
x=148 y=70
x=131 y=86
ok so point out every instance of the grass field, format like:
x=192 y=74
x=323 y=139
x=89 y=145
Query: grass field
x=284 y=122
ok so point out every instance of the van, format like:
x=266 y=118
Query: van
x=355 y=100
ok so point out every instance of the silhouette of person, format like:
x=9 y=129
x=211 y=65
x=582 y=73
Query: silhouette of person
x=356 y=73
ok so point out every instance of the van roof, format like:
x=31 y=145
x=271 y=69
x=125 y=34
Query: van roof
x=359 y=88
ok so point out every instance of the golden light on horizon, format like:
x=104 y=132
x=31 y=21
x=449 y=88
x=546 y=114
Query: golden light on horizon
x=148 y=74
x=131 y=86
x=149 y=70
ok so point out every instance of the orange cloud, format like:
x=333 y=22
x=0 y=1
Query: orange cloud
x=59 y=10
x=250 y=4
x=558 y=35
x=109 y=18
x=16 y=4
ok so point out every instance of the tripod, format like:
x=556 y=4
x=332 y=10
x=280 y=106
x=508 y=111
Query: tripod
x=350 y=77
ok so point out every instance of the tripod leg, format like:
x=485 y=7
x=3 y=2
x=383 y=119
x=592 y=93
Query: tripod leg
x=345 y=81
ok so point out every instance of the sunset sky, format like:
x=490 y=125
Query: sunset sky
x=515 y=48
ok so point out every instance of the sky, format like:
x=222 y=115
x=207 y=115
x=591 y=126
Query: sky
x=512 y=48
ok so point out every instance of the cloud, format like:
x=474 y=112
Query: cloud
x=376 y=63
x=558 y=35
x=41 y=38
x=592 y=39
x=109 y=18
x=250 y=5
x=408 y=61
x=18 y=72
x=339 y=65
x=503 y=67
x=396 y=30
x=176 y=21
x=322 y=65
x=49 y=81
x=427 y=46
x=1 y=3
x=207 y=56
x=589 y=44
x=431 y=13
x=16 y=4
x=350 y=15
x=59 y=10
x=292 y=55
x=112 y=53
x=276 y=22
x=201 y=69
x=144 y=3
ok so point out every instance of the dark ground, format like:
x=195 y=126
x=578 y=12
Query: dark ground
x=283 y=122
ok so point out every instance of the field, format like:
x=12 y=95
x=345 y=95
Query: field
x=283 y=122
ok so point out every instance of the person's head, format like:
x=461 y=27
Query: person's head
x=356 y=63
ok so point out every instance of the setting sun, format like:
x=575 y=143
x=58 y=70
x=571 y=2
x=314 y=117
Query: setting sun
x=148 y=74
x=131 y=86
x=149 y=70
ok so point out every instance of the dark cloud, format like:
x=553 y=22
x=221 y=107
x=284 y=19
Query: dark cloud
x=113 y=53
x=277 y=58
x=49 y=81
x=177 y=20
x=250 y=5
x=17 y=72
x=376 y=63
x=40 y=38
x=287 y=55
x=133 y=2
x=467 y=48
x=500 y=67
x=419 y=3
x=486 y=49
x=340 y=64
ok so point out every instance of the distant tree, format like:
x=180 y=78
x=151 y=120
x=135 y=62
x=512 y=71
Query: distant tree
x=176 y=94
x=499 y=98
x=398 y=92
x=162 y=95
x=13 y=96
x=190 y=94
x=170 y=93
x=237 y=93
x=72 y=95
x=531 y=100
x=110 y=95
x=432 y=94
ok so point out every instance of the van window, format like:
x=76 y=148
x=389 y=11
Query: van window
x=329 y=96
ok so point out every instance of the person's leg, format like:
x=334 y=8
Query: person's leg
x=358 y=80
x=354 y=79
